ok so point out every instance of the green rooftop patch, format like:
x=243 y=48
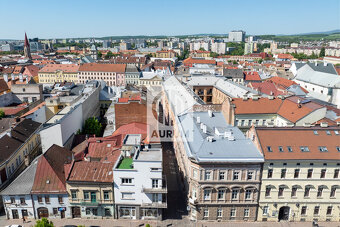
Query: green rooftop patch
x=126 y=163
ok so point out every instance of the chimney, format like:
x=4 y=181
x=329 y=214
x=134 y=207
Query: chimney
x=12 y=77
x=202 y=125
x=204 y=128
x=210 y=113
x=198 y=120
x=316 y=64
x=299 y=103
x=325 y=64
x=6 y=78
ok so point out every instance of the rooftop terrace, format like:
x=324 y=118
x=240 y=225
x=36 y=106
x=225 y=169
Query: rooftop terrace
x=126 y=163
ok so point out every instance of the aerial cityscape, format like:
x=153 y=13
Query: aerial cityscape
x=171 y=114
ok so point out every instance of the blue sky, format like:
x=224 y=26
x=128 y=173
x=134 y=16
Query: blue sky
x=85 y=18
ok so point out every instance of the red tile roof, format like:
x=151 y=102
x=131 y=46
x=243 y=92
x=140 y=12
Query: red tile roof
x=34 y=109
x=104 y=147
x=252 y=76
x=266 y=87
x=50 y=177
x=3 y=86
x=260 y=106
x=96 y=67
x=68 y=68
x=295 y=138
x=198 y=61
x=285 y=56
x=95 y=171
x=125 y=100
x=284 y=83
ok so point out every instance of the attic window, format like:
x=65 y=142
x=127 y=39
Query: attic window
x=323 y=149
x=109 y=145
x=336 y=132
x=328 y=132
x=316 y=132
x=290 y=149
x=304 y=149
x=338 y=149
x=269 y=148
x=281 y=149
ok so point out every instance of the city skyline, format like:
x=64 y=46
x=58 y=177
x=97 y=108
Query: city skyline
x=133 y=18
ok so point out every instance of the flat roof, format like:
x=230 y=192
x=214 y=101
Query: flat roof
x=150 y=155
x=125 y=163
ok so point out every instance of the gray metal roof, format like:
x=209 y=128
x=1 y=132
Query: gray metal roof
x=233 y=73
x=307 y=74
x=22 y=185
x=228 y=142
x=319 y=67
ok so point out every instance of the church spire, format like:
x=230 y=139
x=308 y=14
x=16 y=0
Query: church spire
x=27 y=49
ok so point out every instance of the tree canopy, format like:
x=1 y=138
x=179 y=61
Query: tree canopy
x=44 y=222
x=2 y=113
x=92 y=126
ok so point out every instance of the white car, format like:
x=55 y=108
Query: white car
x=13 y=226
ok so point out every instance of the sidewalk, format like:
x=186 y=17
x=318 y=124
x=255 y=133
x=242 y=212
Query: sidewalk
x=166 y=223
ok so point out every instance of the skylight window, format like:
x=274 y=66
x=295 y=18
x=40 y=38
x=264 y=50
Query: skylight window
x=290 y=149
x=336 y=132
x=316 y=132
x=304 y=149
x=269 y=148
x=323 y=149
x=328 y=132
x=281 y=149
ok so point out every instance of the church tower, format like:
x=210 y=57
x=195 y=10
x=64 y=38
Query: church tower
x=94 y=51
x=27 y=50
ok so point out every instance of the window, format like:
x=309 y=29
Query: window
x=60 y=199
x=316 y=210
x=328 y=133
x=207 y=193
x=93 y=197
x=155 y=183
x=246 y=212
x=250 y=175
x=336 y=173
x=220 y=194
x=248 y=194
x=207 y=175
x=333 y=190
x=47 y=199
x=94 y=211
x=336 y=132
x=281 y=189
x=195 y=173
x=221 y=175
x=55 y=211
x=219 y=212
x=108 y=212
x=296 y=173
x=304 y=210
x=126 y=180
x=310 y=173
x=233 y=212
x=22 y=201
x=320 y=189
x=194 y=193
x=290 y=149
x=40 y=199
x=323 y=173
x=283 y=173
x=307 y=190
x=106 y=195
x=329 y=210
x=269 y=149
x=268 y=189
x=12 y=200
x=127 y=195
x=270 y=173
x=73 y=194
x=265 y=210
x=206 y=213
x=86 y=195
x=281 y=149
x=304 y=149
x=316 y=132
x=236 y=175
x=154 y=198
x=294 y=189
x=338 y=149
x=234 y=194
x=323 y=149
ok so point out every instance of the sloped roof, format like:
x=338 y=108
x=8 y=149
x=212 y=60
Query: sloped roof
x=95 y=171
x=3 y=86
x=50 y=176
x=233 y=73
x=96 y=67
x=22 y=185
x=198 y=61
x=295 y=138
x=67 y=68
x=319 y=67
x=260 y=106
x=252 y=76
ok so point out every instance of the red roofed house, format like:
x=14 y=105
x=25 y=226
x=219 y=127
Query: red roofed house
x=49 y=186
x=252 y=77
x=191 y=61
x=244 y=112
x=112 y=74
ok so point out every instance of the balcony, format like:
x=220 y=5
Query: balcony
x=83 y=202
x=154 y=205
x=193 y=201
x=155 y=190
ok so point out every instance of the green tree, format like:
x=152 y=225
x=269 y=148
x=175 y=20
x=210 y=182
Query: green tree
x=2 y=113
x=202 y=49
x=322 y=52
x=147 y=225
x=109 y=55
x=92 y=126
x=235 y=62
x=260 y=61
x=44 y=222
x=100 y=55
x=213 y=54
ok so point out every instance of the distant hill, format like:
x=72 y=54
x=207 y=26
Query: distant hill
x=325 y=33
